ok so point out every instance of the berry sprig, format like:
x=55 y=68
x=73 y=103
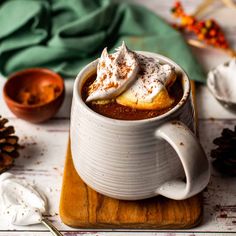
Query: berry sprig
x=207 y=31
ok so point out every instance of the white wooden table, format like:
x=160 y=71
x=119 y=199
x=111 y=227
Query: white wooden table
x=42 y=160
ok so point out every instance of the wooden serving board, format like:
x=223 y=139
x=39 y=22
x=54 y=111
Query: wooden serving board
x=82 y=207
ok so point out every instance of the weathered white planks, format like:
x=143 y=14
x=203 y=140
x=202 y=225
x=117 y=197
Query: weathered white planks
x=41 y=161
x=220 y=196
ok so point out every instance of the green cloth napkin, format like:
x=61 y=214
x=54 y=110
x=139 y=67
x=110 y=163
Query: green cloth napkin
x=65 y=35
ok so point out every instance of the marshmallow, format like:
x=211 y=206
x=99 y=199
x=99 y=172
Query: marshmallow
x=115 y=73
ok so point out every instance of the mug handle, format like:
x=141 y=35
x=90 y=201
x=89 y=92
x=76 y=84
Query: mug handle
x=192 y=157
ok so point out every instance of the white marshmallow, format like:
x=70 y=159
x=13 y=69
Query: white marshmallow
x=115 y=73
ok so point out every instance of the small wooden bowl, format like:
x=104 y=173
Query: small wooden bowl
x=29 y=80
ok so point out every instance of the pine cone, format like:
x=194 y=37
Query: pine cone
x=225 y=154
x=8 y=145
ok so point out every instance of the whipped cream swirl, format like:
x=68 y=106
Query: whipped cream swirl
x=20 y=203
x=133 y=80
x=152 y=78
x=115 y=73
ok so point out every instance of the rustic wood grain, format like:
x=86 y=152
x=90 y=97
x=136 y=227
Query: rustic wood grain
x=82 y=207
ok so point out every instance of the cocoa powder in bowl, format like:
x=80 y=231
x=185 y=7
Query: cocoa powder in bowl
x=34 y=95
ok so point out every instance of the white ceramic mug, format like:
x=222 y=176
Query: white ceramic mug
x=138 y=159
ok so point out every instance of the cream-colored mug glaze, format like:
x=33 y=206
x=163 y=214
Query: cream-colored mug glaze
x=138 y=159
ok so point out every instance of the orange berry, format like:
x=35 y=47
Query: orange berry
x=208 y=23
x=201 y=36
x=203 y=30
x=184 y=21
x=213 y=41
x=177 y=4
x=212 y=33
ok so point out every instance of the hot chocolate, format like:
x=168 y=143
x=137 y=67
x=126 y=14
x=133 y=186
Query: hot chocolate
x=130 y=86
x=115 y=110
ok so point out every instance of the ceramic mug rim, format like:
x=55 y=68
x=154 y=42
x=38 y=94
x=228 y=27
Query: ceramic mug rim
x=186 y=93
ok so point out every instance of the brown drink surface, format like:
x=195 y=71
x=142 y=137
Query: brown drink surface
x=120 y=112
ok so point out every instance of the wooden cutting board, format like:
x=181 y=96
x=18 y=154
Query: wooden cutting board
x=82 y=207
